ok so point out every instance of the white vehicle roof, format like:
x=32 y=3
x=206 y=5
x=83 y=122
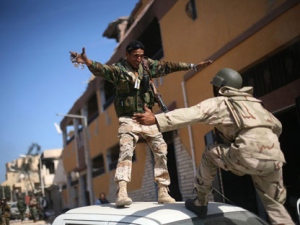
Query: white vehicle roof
x=144 y=213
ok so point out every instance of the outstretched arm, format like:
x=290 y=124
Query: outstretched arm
x=163 y=68
x=205 y=112
x=81 y=58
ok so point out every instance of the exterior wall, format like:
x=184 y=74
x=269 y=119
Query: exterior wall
x=18 y=180
x=22 y=183
x=69 y=157
x=56 y=200
x=139 y=8
x=64 y=199
x=185 y=169
x=104 y=183
x=218 y=23
x=284 y=96
x=48 y=179
x=102 y=134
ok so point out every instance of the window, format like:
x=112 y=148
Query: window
x=190 y=9
x=50 y=167
x=98 y=166
x=70 y=134
x=151 y=38
x=92 y=108
x=274 y=72
x=107 y=94
x=113 y=156
x=70 y=129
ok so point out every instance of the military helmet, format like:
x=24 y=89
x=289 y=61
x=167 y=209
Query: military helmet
x=227 y=77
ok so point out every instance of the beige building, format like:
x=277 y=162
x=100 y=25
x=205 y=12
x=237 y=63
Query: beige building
x=41 y=174
x=258 y=38
x=23 y=175
x=53 y=178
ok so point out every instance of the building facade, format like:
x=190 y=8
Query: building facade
x=53 y=178
x=259 y=38
x=39 y=175
x=23 y=176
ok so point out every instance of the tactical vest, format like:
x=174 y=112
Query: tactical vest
x=249 y=113
x=128 y=99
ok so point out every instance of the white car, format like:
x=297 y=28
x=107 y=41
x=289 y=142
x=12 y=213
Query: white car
x=152 y=213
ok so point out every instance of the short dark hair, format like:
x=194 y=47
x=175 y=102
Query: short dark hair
x=134 y=45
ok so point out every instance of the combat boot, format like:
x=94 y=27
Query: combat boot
x=197 y=205
x=163 y=195
x=122 y=197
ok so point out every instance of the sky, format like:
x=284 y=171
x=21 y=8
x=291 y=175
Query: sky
x=38 y=81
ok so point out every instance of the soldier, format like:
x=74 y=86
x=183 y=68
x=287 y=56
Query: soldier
x=2 y=219
x=33 y=205
x=5 y=210
x=250 y=143
x=43 y=207
x=21 y=207
x=132 y=91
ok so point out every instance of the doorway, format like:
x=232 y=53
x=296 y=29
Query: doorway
x=172 y=167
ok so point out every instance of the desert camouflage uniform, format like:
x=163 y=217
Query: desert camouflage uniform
x=251 y=134
x=129 y=100
x=129 y=132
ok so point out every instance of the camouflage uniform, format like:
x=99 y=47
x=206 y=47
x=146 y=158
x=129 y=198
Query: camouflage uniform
x=129 y=100
x=252 y=147
x=5 y=213
x=33 y=205
x=22 y=208
x=2 y=212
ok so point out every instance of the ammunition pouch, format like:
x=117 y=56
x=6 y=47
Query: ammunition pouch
x=129 y=100
x=127 y=105
x=145 y=83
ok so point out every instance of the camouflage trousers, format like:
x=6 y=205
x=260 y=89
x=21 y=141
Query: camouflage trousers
x=129 y=133
x=4 y=220
x=266 y=176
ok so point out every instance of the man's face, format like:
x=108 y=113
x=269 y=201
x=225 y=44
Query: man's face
x=134 y=58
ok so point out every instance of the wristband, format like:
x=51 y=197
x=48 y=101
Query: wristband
x=193 y=66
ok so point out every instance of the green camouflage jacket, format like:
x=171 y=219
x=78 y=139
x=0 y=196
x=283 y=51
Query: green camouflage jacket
x=128 y=97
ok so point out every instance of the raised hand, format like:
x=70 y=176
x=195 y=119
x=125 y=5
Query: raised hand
x=203 y=64
x=80 y=58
